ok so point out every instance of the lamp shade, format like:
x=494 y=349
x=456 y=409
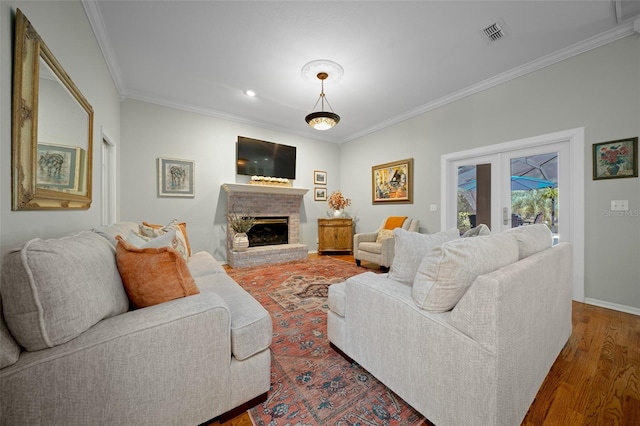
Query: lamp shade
x=322 y=120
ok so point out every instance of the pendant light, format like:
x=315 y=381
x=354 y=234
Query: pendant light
x=322 y=120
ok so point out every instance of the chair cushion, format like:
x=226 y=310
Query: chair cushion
x=53 y=290
x=153 y=275
x=370 y=247
x=448 y=270
x=410 y=249
x=532 y=238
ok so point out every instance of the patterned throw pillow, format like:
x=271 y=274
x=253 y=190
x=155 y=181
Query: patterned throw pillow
x=383 y=234
x=152 y=231
x=153 y=275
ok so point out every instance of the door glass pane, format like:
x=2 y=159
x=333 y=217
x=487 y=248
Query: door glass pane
x=474 y=196
x=534 y=191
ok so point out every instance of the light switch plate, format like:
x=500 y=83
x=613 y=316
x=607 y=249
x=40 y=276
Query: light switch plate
x=619 y=205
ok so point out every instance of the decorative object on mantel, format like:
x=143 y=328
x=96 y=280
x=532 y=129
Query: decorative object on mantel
x=615 y=159
x=392 y=182
x=268 y=180
x=323 y=69
x=338 y=202
x=241 y=223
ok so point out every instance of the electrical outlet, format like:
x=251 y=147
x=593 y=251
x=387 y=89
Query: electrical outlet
x=620 y=205
x=433 y=207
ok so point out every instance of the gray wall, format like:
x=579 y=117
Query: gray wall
x=598 y=90
x=64 y=27
x=151 y=131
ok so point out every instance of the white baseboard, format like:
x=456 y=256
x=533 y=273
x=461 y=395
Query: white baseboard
x=614 y=306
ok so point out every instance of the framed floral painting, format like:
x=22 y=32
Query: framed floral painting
x=615 y=159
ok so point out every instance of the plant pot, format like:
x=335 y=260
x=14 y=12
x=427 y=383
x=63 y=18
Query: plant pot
x=240 y=242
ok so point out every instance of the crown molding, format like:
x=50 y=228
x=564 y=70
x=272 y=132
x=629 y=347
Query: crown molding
x=569 y=52
x=97 y=25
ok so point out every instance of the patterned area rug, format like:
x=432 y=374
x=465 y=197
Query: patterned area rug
x=310 y=383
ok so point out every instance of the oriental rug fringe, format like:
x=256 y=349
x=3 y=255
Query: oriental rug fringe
x=311 y=384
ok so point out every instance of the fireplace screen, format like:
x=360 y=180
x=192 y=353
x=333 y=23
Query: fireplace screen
x=269 y=231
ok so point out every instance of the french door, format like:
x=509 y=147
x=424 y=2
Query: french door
x=535 y=180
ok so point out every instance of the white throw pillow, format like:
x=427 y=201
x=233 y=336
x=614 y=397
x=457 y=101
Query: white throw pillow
x=411 y=247
x=448 y=270
x=478 y=231
x=532 y=238
x=168 y=239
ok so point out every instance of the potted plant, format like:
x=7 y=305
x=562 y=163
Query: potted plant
x=338 y=202
x=241 y=224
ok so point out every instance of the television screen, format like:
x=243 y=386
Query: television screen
x=262 y=158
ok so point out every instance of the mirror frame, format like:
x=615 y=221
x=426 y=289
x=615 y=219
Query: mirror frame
x=25 y=193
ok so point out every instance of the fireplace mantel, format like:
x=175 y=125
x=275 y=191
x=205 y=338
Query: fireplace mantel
x=263 y=189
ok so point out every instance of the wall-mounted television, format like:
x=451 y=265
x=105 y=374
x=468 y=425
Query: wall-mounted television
x=261 y=158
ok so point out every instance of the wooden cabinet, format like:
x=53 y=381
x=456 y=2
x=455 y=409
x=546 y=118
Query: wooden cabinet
x=335 y=235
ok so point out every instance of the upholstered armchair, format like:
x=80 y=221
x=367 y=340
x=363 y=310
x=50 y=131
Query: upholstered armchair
x=378 y=247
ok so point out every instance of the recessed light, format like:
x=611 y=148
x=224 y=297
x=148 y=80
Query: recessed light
x=250 y=93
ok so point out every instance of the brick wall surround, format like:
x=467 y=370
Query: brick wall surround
x=266 y=201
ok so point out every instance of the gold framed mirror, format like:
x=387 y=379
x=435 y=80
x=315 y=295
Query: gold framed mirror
x=52 y=130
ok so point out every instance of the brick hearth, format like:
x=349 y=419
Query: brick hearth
x=266 y=201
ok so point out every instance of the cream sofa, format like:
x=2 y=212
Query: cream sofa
x=73 y=353
x=465 y=330
x=368 y=247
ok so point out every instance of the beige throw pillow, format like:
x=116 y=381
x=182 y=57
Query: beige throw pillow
x=447 y=271
x=384 y=234
x=410 y=249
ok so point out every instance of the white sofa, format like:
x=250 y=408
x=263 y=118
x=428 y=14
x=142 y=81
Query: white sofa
x=72 y=352
x=465 y=330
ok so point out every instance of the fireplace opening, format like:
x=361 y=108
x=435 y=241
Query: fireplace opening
x=268 y=231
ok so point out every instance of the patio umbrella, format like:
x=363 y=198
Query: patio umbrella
x=518 y=183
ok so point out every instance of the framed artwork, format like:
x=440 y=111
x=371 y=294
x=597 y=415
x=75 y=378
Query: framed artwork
x=59 y=167
x=615 y=159
x=320 y=194
x=175 y=177
x=319 y=177
x=392 y=182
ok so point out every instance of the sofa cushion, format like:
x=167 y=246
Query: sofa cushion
x=383 y=234
x=153 y=275
x=152 y=230
x=448 y=270
x=110 y=232
x=532 y=238
x=202 y=263
x=53 y=290
x=478 y=231
x=410 y=249
x=9 y=349
x=251 y=327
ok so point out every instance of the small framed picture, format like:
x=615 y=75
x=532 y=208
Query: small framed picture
x=176 y=177
x=59 y=167
x=319 y=177
x=615 y=159
x=319 y=194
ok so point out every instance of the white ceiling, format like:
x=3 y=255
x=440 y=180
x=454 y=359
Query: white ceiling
x=400 y=58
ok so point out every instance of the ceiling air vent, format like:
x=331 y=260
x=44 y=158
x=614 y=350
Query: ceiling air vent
x=495 y=31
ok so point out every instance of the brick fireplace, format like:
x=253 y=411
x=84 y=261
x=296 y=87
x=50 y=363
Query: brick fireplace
x=266 y=202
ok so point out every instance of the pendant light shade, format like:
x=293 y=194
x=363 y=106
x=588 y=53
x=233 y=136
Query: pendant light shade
x=322 y=120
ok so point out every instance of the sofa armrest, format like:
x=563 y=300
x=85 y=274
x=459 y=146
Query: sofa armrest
x=176 y=348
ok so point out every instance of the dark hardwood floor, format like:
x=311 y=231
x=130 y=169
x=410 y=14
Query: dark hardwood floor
x=595 y=379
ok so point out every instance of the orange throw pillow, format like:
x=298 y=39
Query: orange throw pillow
x=153 y=275
x=394 y=222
